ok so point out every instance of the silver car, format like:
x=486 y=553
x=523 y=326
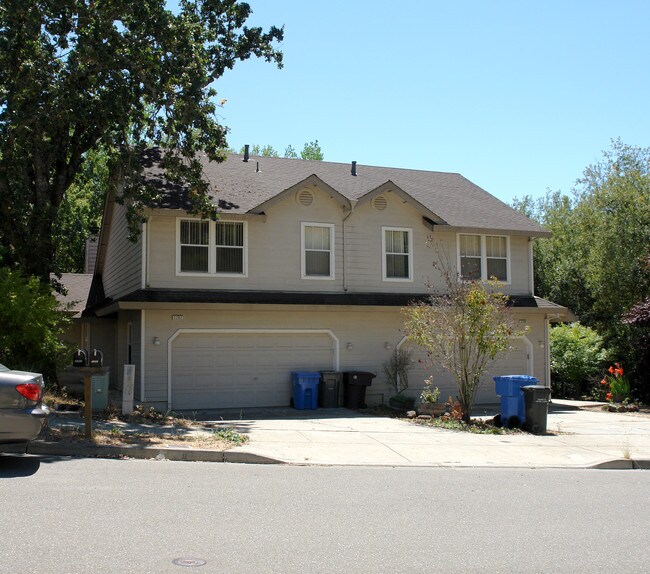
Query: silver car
x=22 y=412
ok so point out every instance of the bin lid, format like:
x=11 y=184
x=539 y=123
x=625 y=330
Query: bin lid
x=360 y=373
x=517 y=378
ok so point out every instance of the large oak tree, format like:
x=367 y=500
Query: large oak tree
x=79 y=75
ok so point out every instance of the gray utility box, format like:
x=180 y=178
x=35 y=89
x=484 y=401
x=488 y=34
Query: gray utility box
x=329 y=389
x=536 y=399
x=100 y=382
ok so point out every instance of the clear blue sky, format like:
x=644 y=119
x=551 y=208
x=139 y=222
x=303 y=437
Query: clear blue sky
x=518 y=96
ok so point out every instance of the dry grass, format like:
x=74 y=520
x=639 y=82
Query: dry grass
x=218 y=440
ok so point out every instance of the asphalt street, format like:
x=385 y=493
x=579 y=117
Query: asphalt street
x=78 y=516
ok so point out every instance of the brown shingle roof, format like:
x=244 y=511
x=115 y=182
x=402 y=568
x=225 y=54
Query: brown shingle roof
x=77 y=286
x=240 y=188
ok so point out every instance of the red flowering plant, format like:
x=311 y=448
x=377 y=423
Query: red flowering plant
x=619 y=386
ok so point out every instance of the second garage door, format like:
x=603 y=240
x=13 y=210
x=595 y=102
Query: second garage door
x=232 y=370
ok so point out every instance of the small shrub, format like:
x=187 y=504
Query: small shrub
x=429 y=395
x=617 y=384
x=32 y=322
x=397 y=369
x=577 y=354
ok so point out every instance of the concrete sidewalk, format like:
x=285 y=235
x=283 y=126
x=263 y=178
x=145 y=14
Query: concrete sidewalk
x=576 y=439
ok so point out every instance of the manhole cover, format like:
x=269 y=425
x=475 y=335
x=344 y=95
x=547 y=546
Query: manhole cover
x=188 y=562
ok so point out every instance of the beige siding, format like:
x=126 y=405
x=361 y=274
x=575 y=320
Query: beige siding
x=274 y=250
x=122 y=272
x=372 y=332
x=519 y=266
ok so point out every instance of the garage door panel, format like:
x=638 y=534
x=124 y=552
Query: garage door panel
x=227 y=370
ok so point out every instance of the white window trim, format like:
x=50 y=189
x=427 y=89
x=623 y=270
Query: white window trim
x=484 y=256
x=212 y=260
x=408 y=279
x=303 y=252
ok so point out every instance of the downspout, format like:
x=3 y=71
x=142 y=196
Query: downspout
x=547 y=351
x=531 y=272
x=145 y=257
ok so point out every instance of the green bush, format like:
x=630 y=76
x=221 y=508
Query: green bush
x=30 y=324
x=577 y=357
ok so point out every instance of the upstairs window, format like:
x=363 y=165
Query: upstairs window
x=211 y=247
x=481 y=257
x=317 y=251
x=229 y=247
x=397 y=258
x=194 y=246
x=496 y=256
x=470 y=257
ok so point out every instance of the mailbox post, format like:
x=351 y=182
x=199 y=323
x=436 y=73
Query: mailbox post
x=88 y=367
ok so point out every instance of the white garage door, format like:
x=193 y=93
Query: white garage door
x=232 y=370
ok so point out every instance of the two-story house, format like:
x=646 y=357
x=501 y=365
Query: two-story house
x=307 y=269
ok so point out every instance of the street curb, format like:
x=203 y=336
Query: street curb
x=144 y=452
x=623 y=464
x=614 y=464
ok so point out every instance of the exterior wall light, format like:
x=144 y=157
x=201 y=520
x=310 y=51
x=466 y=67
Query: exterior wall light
x=349 y=346
x=156 y=341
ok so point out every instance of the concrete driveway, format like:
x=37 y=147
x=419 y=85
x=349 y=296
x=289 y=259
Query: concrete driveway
x=576 y=439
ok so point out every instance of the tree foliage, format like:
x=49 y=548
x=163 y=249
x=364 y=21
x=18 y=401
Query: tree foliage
x=311 y=151
x=121 y=75
x=463 y=328
x=80 y=213
x=31 y=323
x=597 y=262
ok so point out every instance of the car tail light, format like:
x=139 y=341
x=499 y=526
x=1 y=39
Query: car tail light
x=31 y=391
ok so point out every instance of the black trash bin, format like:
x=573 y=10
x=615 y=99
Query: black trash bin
x=329 y=389
x=536 y=399
x=354 y=387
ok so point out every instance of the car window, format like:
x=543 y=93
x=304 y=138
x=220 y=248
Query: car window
x=3 y=368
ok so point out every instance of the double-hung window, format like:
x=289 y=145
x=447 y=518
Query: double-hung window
x=397 y=254
x=211 y=247
x=317 y=251
x=481 y=257
x=496 y=257
x=194 y=246
x=229 y=247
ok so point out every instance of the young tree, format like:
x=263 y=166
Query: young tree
x=463 y=328
x=121 y=75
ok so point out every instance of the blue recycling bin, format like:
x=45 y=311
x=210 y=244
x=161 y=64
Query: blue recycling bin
x=508 y=387
x=305 y=389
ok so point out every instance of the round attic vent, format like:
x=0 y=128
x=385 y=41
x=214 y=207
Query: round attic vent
x=305 y=197
x=380 y=203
